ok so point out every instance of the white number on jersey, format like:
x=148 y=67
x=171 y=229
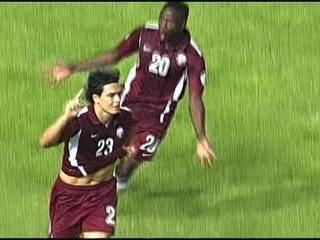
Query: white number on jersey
x=111 y=212
x=151 y=144
x=104 y=147
x=159 y=65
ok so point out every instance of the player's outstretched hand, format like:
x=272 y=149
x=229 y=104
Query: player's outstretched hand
x=205 y=152
x=58 y=73
x=73 y=107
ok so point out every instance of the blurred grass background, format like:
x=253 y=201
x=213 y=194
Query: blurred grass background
x=262 y=103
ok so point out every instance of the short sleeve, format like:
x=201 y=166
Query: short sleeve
x=71 y=129
x=130 y=44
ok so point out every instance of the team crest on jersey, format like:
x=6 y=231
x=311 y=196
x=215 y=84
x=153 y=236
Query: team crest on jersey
x=181 y=59
x=120 y=132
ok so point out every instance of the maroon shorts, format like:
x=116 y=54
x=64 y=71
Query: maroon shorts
x=148 y=128
x=77 y=209
x=145 y=145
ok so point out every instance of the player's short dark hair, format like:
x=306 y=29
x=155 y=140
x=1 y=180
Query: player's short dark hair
x=97 y=79
x=180 y=7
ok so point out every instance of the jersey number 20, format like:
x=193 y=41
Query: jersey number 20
x=159 y=65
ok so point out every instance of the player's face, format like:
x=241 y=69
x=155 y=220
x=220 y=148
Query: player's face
x=109 y=100
x=169 y=24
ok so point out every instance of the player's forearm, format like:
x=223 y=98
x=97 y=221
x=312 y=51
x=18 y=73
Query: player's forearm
x=197 y=113
x=107 y=58
x=52 y=135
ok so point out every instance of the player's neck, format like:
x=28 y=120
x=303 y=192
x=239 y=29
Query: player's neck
x=103 y=116
x=174 y=41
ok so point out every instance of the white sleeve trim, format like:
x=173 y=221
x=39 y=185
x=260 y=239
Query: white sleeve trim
x=195 y=47
x=82 y=111
x=203 y=78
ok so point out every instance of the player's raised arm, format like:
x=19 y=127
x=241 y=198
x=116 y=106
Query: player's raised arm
x=53 y=134
x=126 y=47
x=61 y=72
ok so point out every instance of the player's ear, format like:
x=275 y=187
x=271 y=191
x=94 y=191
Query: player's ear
x=95 y=98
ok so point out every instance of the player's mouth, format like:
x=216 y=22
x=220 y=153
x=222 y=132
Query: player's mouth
x=162 y=36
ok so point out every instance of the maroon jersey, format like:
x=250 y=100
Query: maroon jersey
x=91 y=145
x=158 y=80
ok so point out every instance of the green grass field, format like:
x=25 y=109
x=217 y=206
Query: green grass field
x=263 y=114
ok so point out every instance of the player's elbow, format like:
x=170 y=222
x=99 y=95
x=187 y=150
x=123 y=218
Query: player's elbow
x=45 y=142
x=115 y=57
x=108 y=58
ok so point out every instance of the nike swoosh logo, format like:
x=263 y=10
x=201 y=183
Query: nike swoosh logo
x=94 y=135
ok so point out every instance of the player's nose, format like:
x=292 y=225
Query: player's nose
x=163 y=25
x=116 y=99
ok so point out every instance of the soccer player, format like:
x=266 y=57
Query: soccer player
x=168 y=59
x=84 y=197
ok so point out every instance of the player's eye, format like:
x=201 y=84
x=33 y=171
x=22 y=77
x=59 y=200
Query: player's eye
x=111 y=95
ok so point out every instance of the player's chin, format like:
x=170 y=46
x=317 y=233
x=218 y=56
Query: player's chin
x=162 y=37
x=115 y=110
